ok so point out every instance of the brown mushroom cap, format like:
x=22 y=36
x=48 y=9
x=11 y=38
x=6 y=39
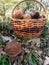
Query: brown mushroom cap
x=18 y=14
x=13 y=49
x=27 y=16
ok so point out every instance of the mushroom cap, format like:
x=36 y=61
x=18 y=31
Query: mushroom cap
x=13 y=49
x=27 y=16
x=18 y=14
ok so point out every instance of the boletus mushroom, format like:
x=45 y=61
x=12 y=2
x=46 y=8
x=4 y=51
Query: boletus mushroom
x=13 y=49
x=18 y=14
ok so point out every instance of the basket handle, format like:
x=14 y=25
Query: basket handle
x=29 y=0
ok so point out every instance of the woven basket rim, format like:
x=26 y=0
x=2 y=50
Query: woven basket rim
x=14 y=19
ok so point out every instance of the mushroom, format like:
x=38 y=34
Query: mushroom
x=18 y=14
x=13 y=49
x=27 y=16
x=36 y=15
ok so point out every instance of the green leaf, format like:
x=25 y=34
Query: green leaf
x=4 y=60
x=31 y=62
x=35 y=58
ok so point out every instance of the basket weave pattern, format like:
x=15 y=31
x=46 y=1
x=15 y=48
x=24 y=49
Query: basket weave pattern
x=28 y=28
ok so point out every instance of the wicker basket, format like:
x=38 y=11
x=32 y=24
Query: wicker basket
x=28 y=28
